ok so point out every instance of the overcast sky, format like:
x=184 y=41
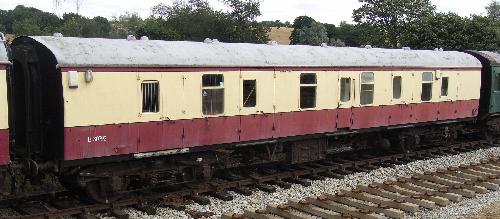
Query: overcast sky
x=327 y=11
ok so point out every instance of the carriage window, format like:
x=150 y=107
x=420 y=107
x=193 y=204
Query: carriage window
x=396 y=87
x=444 y=86
x=249 y=93
x=345 y=89
x=213 y=94
x=427 y=79
x=150 y=96
x=497 y=82
x=308 y=85
x=367 y=88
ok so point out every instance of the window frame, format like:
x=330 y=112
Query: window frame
x=400 y=87
x=254 y=92
x=361 y=91
x=446 y=93
x=349 y=89
x=496 y=82
x=158 y=97
x=308 y=85
x=423 y=82
x=220 y=87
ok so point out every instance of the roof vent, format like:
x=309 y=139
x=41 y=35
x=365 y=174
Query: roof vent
x=57 y=35
x=272 y=43
x=406 y=48
x=144 y=38
x=368 y=47
x=2 y=37
x=324 y=45
x=131 y=37
x=207 y=40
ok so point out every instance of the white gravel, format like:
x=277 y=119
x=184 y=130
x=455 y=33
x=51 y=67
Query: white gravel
x=261 y=199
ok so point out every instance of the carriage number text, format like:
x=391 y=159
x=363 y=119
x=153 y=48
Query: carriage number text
x=101 y=138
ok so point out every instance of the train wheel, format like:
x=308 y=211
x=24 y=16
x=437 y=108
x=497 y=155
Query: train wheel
x=98 y=192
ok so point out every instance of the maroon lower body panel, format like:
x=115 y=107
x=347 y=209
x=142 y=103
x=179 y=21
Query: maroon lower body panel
x=344 y=118
x=305 y=123
x=400 y=114
x=210 y=131
x=256 y=127
x=110 y=140
x=4 y=147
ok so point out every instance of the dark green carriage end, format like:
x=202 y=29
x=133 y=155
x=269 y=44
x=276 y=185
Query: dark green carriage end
x=490 y=83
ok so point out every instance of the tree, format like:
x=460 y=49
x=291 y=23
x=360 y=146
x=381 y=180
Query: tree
x=302 y=22
x=276 y=23
x=194 y=20
x=157 y=29
x=26 y=27
x=493 y=10
x=391 y=17
x=124 y=25
x=80 y=26
x=483 y=33
x=308 y=32
x=448 y=31
x=197 y=20
x=353 y=35
x=30 y=19
x=102 y=27
x=243 y=15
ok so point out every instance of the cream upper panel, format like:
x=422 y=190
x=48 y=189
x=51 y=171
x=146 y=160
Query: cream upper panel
x=407 y=88
x=382 y=93
x=327 y=90
x=114 y=97
x=469 y=85
x=4 y=105
x=193 y=94
x=110 y=98
x=286 y=91
x=264 y=90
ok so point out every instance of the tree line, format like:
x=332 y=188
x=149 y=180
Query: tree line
x=182 y=20
x=404 y=23
x=380 y=23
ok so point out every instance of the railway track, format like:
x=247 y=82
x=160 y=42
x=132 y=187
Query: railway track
x=391 y=199
x=265 y=179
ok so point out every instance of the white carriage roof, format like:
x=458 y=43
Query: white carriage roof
x=492 y=56
x=93 y=52
x=3 y=54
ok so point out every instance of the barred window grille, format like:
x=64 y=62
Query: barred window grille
x=150 y=96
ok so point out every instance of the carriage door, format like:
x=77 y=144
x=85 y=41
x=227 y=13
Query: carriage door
x=346 y=99
x=495 y=94
x=256 y=105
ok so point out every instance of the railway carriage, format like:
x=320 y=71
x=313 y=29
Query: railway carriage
x=490 y=91
x=4 y=107
x=178 y=111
